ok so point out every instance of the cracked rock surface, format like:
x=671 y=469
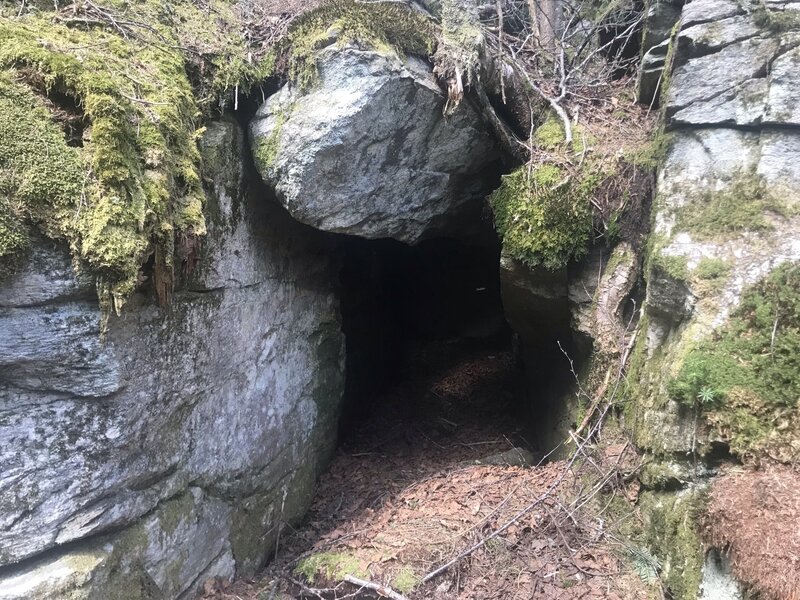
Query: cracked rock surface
x=731 y=71
x=734 y=117
x=168 y=452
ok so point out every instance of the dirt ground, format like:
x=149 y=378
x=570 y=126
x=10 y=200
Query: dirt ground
x=436 y=467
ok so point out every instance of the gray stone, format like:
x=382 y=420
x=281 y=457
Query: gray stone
x=651 y=74
x=698 y=84
x=718 y=582
x=660 y=18
x=164 y=556
x=368 y=151
x=159 y=437
x=709 y=11
x=729 y=71
x=783 y=105
x=707 y=38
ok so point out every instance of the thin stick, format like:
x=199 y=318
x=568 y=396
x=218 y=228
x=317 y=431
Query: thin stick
x=380 y=589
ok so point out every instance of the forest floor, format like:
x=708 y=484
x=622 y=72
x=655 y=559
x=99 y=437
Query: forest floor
x=438 y=465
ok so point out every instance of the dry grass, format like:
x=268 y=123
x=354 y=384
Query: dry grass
x=755 y=516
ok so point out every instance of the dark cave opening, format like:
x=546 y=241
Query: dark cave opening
x=426 y=329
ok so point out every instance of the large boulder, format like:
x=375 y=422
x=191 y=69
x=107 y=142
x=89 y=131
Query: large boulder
x=368 y=151
x=174 y=449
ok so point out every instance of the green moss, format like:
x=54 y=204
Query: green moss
x=659 y=474
x=134 y=181
x=211 y=32
x=653 y=154
x=550 y=135
x=41 y=178
x=329 y=567
x=675 y=266
x=462 y=39
x=175 y=511
x=713 y=268
x=669 y=64
x=742 y=206
x=747 y=376
x=405 y=580
x=138 y=87
x=387 y=27
x=671 y=533
x=267 y=150
x=544 y=216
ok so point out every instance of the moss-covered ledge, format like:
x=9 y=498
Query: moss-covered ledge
x=102 y=106
x=113 y=83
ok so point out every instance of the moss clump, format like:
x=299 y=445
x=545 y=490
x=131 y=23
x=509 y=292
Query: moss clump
x=671 y=532
x=544 y=216
x=405 y=580
x=653 y=154
x=329 y=567
x=138 y=78
x=742 y=206
x=41 y=178
x=387 y=27
x=676 y=267
x=550 y=135
x=713 y=268
x=747 y=376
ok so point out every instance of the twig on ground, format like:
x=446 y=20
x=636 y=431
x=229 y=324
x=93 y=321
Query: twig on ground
x=380 y=589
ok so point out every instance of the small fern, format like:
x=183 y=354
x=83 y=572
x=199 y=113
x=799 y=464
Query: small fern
x=645 y=565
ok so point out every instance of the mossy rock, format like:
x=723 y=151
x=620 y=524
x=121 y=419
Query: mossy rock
x=746 y=377
x=670 y=531
x=743 y=205
x=329 y=567
x=131 y=182
x=544 y=217
x=391 y=28
x=100 y=117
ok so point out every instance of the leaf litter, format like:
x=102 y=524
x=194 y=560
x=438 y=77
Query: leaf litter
x=411 y=489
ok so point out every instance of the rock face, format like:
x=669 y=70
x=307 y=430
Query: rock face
x=173 y=450
x=660 y=18
x=725 y=218
x=368 y=152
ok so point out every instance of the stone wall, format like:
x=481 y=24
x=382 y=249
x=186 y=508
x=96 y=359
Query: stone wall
x=725 y=217
x=140 y=465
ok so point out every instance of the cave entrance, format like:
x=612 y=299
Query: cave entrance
x=433 y=371
x=444 y=405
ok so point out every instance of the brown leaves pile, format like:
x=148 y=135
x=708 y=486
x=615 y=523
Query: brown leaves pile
x=755 y=516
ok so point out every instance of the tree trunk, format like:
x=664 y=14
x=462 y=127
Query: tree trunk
x=546 y=20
